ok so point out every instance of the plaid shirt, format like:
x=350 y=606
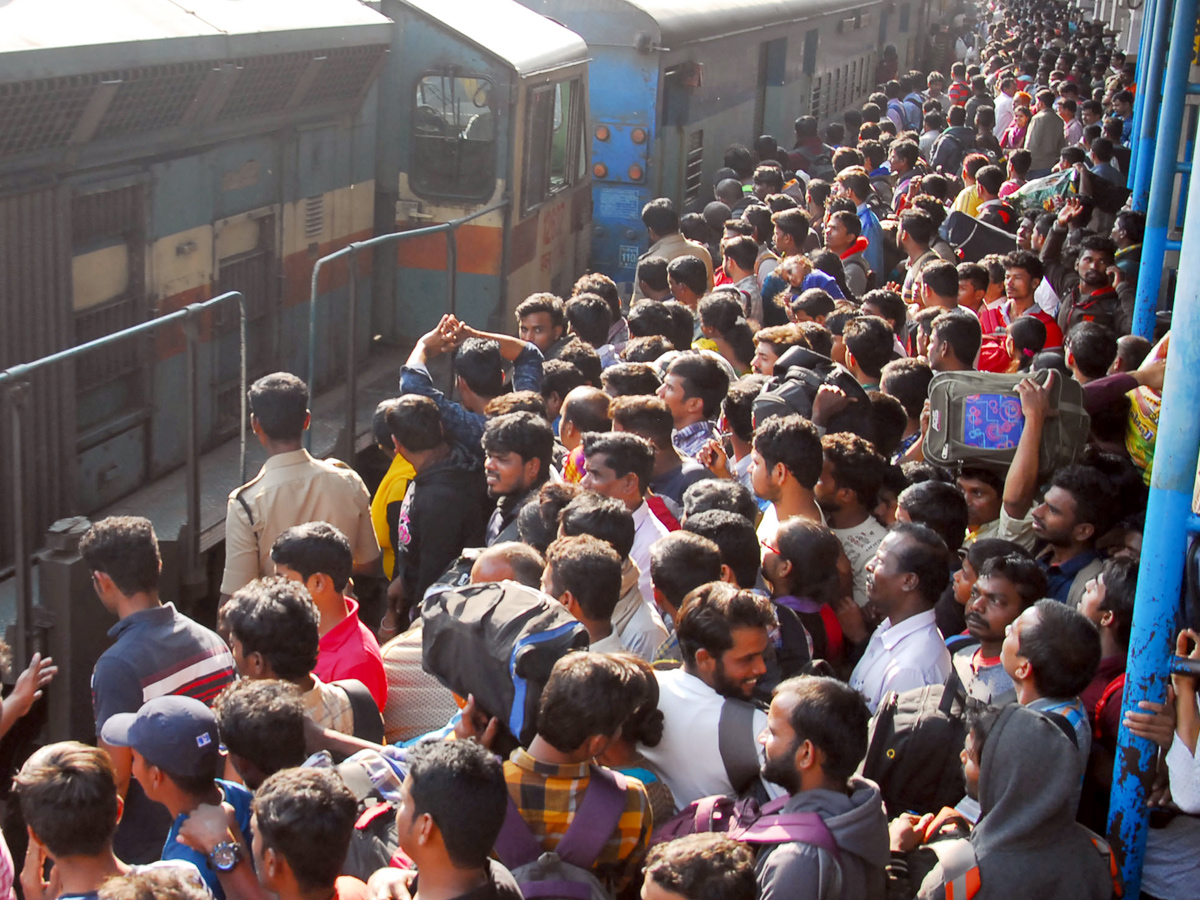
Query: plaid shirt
x=329 y=706
x=547 y=797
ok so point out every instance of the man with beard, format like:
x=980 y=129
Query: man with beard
x=517 y=450
x=908 y=573
x=723 y=634
x=1087 y=291
x=1006 y=587
x=816 y=735
x=1076 y=510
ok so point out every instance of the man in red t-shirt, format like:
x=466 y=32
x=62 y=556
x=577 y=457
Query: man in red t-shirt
x=1023 y=272
x=318 y=555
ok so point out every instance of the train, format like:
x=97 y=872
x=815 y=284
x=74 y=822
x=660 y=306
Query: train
x=155 y=156
x=674 y=84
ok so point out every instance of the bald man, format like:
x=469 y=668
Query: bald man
x=509 y=561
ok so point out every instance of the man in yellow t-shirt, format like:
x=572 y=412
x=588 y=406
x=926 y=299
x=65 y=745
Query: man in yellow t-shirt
x=391 y=489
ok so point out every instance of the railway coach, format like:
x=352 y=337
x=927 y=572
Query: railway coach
x=674 y=84
x=155 y=155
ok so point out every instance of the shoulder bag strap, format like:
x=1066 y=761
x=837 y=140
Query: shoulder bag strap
x=598 y=816
x=516 y=846
x=735 y=740
x=782 y=828
x=368 y=725
x=951 y=692
x=246 y=507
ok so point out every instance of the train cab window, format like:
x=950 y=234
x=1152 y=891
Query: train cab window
x=554 y=157
x=454 y=137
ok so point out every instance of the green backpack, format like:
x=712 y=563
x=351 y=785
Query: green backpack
x=975 y=419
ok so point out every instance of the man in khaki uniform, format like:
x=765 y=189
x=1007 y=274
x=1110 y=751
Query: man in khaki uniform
x=291 y=488
x=662 y=224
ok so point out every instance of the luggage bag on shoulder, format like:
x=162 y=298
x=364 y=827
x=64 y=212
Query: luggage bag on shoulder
x=746 y=820
x=974 y=239
x=799 y=374
x=913 y=746
x=975 y=418
x=499 y=642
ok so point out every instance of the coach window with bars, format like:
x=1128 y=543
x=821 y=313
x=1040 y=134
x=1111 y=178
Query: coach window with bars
x=454 y=137
x=554 y=157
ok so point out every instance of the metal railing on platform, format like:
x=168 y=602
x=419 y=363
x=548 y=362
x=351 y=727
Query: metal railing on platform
x=350 y=252
x=14 y=388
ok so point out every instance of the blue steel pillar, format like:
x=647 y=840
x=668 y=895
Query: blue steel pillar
x=1169 y=125
x=1152 y=56
x=1163 y=550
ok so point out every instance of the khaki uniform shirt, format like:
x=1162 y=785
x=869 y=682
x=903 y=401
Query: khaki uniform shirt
x=672 y=247
x=292 y=489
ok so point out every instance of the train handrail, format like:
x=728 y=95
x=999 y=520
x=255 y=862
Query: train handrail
x=450 y=229
x=14 y=383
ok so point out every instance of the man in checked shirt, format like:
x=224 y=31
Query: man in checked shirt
x=583 y=706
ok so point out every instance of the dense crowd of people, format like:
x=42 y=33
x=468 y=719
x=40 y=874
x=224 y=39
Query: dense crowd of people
x=755 y=582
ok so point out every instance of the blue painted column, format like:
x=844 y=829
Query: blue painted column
x=1163 y=549
x=1152 y=56
x=1166 y=151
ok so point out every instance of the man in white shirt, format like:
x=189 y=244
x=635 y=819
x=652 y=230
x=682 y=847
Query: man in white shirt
x=908 y=573
x=851 y=475
x=723 y=633
x=620 y=465
x=1004 y=103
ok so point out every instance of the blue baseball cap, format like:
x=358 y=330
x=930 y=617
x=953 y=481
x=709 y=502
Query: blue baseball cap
x=177 y=734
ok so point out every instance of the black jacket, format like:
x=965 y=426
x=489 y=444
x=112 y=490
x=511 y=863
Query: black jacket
x=443 y=511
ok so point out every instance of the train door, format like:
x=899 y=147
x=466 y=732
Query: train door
x=811 y=84
x=458 y=119
x=549 y=235
x=245 y=259
x=770 y=101
x=113 y=402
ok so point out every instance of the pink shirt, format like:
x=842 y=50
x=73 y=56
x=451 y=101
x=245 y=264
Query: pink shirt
x=349 y=650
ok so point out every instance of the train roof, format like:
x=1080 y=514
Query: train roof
x=679 y=23
x=527 y=41
x=49 y=38
x=698 y=20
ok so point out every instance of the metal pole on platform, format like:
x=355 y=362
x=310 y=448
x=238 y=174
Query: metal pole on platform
x=1166 y=160
x=351 y=356
x=1161 y=571
x=1152 y=55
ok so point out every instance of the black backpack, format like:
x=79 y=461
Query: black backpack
x=499 y=642
x=799 y=374
x=974 y=239
x=913 y=746
x=948 y=153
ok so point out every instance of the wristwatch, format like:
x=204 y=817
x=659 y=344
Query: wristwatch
x=226 y=855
